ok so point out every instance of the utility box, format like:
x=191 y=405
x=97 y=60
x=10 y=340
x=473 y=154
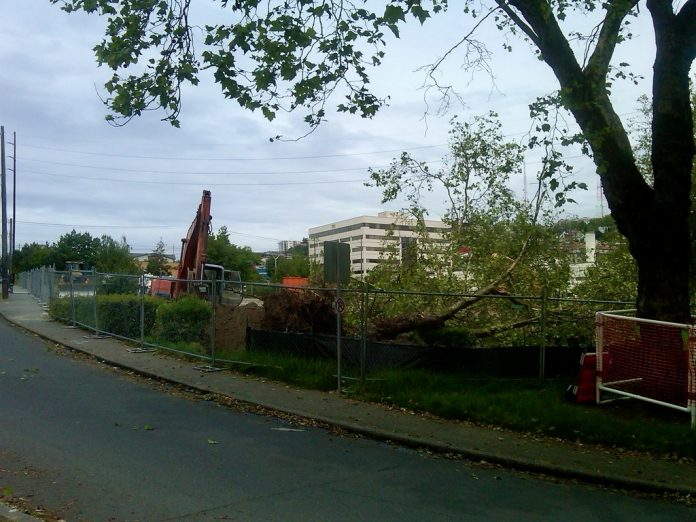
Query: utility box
x=336 y=262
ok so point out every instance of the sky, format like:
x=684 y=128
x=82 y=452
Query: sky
x=144 y=181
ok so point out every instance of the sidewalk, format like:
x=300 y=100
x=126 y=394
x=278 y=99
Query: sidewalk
x=516 y=450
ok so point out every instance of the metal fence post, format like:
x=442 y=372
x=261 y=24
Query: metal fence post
x=213 y=302
x=141 y=291
x=94 y=293
x=363 y=333
x=50 y=275
x=542 y=342
x=72 y=299
x=338 y=336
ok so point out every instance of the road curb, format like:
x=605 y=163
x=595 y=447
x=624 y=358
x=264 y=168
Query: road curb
x=9 y=513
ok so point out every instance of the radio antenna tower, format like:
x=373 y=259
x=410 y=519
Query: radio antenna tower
x=524 y=181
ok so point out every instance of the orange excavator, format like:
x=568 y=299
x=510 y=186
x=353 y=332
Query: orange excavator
x=194 y=249
x=195 y=275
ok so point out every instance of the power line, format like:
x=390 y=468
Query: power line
x=213 y=173
x=202 y=173
x=255 y=236
x=196 y=183
x=169 y=182
x=286 y=158
x=95 y=226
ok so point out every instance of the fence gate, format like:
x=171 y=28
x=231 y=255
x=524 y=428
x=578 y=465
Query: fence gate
x=652 y=361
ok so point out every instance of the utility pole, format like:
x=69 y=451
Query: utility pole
x=3 y=203
x=14 y=199
x=13 y=219
x=9 y=257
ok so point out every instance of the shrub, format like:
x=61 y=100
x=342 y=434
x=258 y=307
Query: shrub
x=118 y=314
x=60 y=308
x=183 y=320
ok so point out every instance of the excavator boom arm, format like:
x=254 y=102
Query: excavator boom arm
x=194 y=247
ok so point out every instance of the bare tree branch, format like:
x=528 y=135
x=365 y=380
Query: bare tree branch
x=475 y=47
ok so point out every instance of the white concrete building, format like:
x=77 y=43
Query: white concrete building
x=285 y=245
x=370 y=237
x=584 y=259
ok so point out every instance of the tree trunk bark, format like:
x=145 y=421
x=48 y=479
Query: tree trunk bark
x=654 y=219
x=662 y=257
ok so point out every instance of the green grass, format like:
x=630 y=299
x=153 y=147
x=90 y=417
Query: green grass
x=528 y=405
x=192 y=347
x=314 y=374
x=536 y=406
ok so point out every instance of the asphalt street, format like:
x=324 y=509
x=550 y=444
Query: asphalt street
x=88 y=442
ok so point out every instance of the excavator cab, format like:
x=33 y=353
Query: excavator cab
x=228 y=287
x=210 y=275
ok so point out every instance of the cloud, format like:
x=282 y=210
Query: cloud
x=51 y=97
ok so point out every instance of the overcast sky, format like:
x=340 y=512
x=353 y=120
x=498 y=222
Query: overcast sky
x=145 y=180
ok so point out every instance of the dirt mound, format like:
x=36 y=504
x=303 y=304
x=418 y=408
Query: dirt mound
x=231 y=323
x=299 y=311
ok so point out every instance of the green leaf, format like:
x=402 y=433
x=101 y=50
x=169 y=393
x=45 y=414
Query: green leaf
x=394 y=13
x=421 y=14
x=268 y=113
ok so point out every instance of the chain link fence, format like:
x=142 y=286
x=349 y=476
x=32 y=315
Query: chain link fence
x=120 y=306
x=503 y=334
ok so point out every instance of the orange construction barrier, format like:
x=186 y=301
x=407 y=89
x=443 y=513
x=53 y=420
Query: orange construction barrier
x=586 y=391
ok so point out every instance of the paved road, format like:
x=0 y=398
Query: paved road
x=89 y=443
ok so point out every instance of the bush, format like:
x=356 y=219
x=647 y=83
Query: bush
x=183 y=320
x=118 y=314
x=84 y=309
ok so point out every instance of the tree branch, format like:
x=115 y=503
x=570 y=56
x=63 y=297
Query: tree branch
x=519 y=22
x=392 y=327
x=491 y=289
x=552 y=43
x=686 y=21
x=598 y=64
x=499 y=328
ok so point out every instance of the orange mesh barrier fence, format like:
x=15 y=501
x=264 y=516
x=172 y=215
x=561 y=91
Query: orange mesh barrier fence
x=646 y=360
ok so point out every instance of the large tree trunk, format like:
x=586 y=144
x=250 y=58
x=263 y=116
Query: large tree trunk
x=653 y=219
x=662 y=257
x=662 y=250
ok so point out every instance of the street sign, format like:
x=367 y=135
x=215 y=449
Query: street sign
x=336 y=262
x=340 y=305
